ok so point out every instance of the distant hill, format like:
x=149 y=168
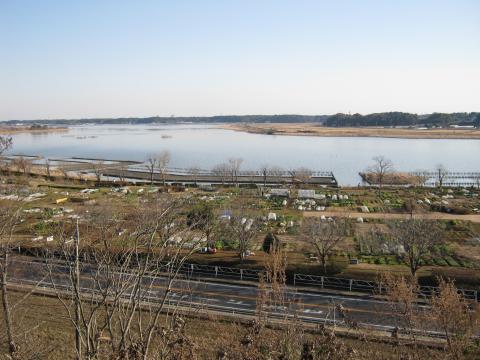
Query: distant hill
x=386 y=119
x=183 y=119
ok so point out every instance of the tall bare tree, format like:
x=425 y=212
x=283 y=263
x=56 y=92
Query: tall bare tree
x=442 y=173
x=235 y=164
x=402 y=298
x=97 y=169
x=417 y=238
x=6 y=143
x=222 y=171
x=244 y=230
x=163 y=159
x=8 y=221
x=63 y=169
x=20 y=343
x=265 y=171
x=129 y=281
x=194 y=171
x=380 y=169
x=325 y=236
x=23 y=164
x=457 y=319
x=48 y=169
x=477 y=181
x=303 y=174
x=122 y=172
x=151 y=166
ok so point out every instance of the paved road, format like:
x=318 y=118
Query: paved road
x=233 y=299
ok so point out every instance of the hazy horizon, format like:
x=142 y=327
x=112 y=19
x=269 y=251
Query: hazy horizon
x=111 y=59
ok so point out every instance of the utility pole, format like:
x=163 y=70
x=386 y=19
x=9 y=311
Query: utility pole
x=78 y=340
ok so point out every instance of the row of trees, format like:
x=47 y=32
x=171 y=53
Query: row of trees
x=226 y=171
x=403 y=119
x=382 y=169
x=417 y=238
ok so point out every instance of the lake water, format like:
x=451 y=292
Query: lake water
x=205 y=146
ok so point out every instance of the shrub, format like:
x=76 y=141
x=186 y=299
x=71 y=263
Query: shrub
x=270 y=241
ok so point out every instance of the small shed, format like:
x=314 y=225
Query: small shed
x=280 y=192
x=306 y=194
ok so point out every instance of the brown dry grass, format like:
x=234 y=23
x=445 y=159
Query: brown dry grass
x=10 y=130
x=306 y=129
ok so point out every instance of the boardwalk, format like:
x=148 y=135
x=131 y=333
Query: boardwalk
x=182 y=176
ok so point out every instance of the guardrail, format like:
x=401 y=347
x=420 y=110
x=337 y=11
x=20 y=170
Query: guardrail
x=191 y=270
x=326 y=282
x=194 y=270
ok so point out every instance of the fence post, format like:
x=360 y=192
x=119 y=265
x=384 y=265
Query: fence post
x=294 y=279
x=216 y=271
x=191 y=270
x=351 y=283
x=241 y=274
x=322 y=281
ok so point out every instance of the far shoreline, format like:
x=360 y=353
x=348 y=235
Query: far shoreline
x=12 y=130
x=310 y=129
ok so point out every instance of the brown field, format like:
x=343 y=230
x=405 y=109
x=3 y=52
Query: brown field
x=10 y=130
x=308 y=129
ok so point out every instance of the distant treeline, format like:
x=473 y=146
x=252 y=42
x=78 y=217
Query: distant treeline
x=338 y=120
x=183 y=119
x=404 y=119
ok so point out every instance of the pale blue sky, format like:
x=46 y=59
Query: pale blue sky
x=95 y=58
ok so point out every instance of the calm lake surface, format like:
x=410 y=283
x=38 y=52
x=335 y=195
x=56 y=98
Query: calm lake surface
x=205 y=146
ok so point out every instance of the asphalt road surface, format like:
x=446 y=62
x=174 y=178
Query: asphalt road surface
x=309 y=307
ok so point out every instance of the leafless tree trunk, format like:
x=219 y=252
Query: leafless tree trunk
x=12 y=347
x=62 y=167
x=235 y=164
x=77 y=299
x=325 y=236
x=23 y=165
x=303 y=174
x=6 y=143
x=151 y=166
x=244 y=230
x=20 y=345
x=126 y=287
x=163 y=159
x=417 y=238
x=380 y=169
x=97 y=168
x=194 y=171
x=122 y=173
x=48 y=169
x=222 y=171
x=402 y=296
x=442 y=173
x=265 y=171
x=456 y=318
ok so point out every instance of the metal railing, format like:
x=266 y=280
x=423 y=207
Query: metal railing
x=191 y=270
x=196 y=270
x=326 y=282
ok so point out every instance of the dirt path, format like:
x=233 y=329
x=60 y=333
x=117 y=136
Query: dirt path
x=389 y=216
